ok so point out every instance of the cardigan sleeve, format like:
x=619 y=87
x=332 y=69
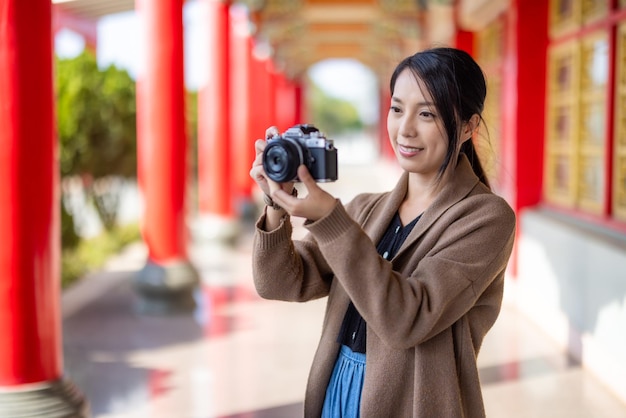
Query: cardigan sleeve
x=288 y=270
x=470 y=248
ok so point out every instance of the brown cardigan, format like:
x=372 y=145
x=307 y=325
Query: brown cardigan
x=427 y=310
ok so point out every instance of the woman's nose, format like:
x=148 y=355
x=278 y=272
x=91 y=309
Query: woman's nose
x=407 y=128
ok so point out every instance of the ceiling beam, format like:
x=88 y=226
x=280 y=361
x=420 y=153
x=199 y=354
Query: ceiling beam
x=302 y=32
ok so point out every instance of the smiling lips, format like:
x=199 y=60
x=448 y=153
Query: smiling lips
x=407 y=151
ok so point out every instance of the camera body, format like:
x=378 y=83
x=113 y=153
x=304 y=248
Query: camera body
x=300 y=144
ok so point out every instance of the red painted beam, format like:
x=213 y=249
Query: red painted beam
x=87 y=28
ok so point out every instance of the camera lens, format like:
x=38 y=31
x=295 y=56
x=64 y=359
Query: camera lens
x=281 y=160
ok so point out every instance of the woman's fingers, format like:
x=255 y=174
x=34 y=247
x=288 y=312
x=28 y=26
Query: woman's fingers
x=259 y=145
x=257 y=173
x=317 y=204
x=270 y=132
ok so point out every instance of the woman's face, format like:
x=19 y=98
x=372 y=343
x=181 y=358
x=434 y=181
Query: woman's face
x=415 y=129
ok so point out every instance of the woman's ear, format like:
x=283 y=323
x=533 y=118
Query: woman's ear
x=470 y=127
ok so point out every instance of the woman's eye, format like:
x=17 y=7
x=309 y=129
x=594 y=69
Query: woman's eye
x=395 y=109
x=426 y=114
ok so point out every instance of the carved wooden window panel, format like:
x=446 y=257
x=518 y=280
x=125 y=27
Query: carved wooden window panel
x=562 y=136
x=593 y=118
x=564 y=17
x=593 y=10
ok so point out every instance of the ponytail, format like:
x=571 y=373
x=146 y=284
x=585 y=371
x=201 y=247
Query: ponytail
x=470 y=151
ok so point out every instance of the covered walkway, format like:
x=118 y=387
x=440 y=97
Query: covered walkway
x=239 y=356
x=557 y=124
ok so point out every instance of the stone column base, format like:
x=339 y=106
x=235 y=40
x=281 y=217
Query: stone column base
x=166 y=288
x=58 y=399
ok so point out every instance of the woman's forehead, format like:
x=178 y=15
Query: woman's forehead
x=410 y=83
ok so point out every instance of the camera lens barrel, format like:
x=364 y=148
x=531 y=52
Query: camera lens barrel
x=281 y=159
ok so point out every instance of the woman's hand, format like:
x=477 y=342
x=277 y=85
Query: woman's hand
x=317 y=203
x=257 y=172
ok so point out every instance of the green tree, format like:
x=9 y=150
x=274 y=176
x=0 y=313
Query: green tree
x=331 y=115
x=96 y=122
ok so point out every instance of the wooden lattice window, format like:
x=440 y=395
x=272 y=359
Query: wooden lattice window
x=619 y=152
x=561 y=164
x=593 y=118
x=592 y=10
x=576 y=126
x=580 y=97
x=565 y=16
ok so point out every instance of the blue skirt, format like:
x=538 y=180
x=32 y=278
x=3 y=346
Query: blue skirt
x=343 y=395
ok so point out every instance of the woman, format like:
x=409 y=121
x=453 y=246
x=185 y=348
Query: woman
x=414 y=277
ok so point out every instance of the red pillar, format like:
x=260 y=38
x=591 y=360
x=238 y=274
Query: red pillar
x=213 y=105
x=162 y=151
x=463 y=39
x=523 y=104
x=299 y=98
x=215 y=191
x=261 y=95
x=532 y=41
x=286 y=102
x=272 y=83
x=242 y=109
x=30 y=318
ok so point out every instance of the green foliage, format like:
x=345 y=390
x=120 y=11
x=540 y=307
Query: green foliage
x=96 y=122
x=91 y=254
x=332 y=115
x=96 y=118
x=69 y=237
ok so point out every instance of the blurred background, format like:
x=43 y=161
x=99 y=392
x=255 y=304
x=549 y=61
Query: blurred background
x=128 y=210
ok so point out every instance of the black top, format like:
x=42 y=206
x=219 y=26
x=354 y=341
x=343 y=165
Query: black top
x=353 y=328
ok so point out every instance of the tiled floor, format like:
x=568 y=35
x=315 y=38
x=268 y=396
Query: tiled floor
x=238 y=356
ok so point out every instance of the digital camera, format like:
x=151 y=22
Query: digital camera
x=300 y=144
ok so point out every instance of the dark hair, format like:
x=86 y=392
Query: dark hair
x=457 y=86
